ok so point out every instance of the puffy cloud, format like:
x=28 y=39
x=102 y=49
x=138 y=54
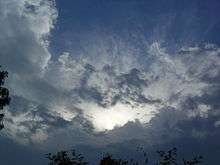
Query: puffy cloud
x=29 y=122
x=25 y=26
x=108 y=98
x=117 y=115
x=114 y=91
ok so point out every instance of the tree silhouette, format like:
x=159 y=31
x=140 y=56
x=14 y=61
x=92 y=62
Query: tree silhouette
x=4 y=96
x=108 y=160
x=165 y=158
x=170 y=158
x=195 y=160
x=66 y=158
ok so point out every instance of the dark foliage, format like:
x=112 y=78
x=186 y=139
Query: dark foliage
x=4 y=96
x=66 y=158
x=108 y=160
x=170 y=158
x=195 y=160
x=165 y=158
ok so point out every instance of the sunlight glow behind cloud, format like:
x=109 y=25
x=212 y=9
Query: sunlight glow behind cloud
x=114 y=82
x=105 y=119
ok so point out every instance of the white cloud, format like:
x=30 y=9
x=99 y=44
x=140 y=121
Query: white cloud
x=101 y=86
x=180 y=75
x=26 y=133
x=24 y=27
x=104 y=119
x=66 y=73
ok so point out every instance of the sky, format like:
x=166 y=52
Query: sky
x=108 y=76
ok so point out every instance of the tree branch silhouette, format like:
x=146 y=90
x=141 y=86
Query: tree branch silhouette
x=165 y=158
x=4 y=96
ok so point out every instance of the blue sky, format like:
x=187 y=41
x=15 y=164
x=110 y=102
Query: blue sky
x=174 y=22
x=108 y=76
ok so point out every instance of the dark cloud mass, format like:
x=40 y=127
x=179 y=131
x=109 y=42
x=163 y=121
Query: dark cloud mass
x=83 y=76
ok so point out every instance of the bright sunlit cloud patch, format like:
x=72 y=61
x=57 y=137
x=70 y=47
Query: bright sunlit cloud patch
x=104 y=119
x=111 y=82
x=64 y=112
